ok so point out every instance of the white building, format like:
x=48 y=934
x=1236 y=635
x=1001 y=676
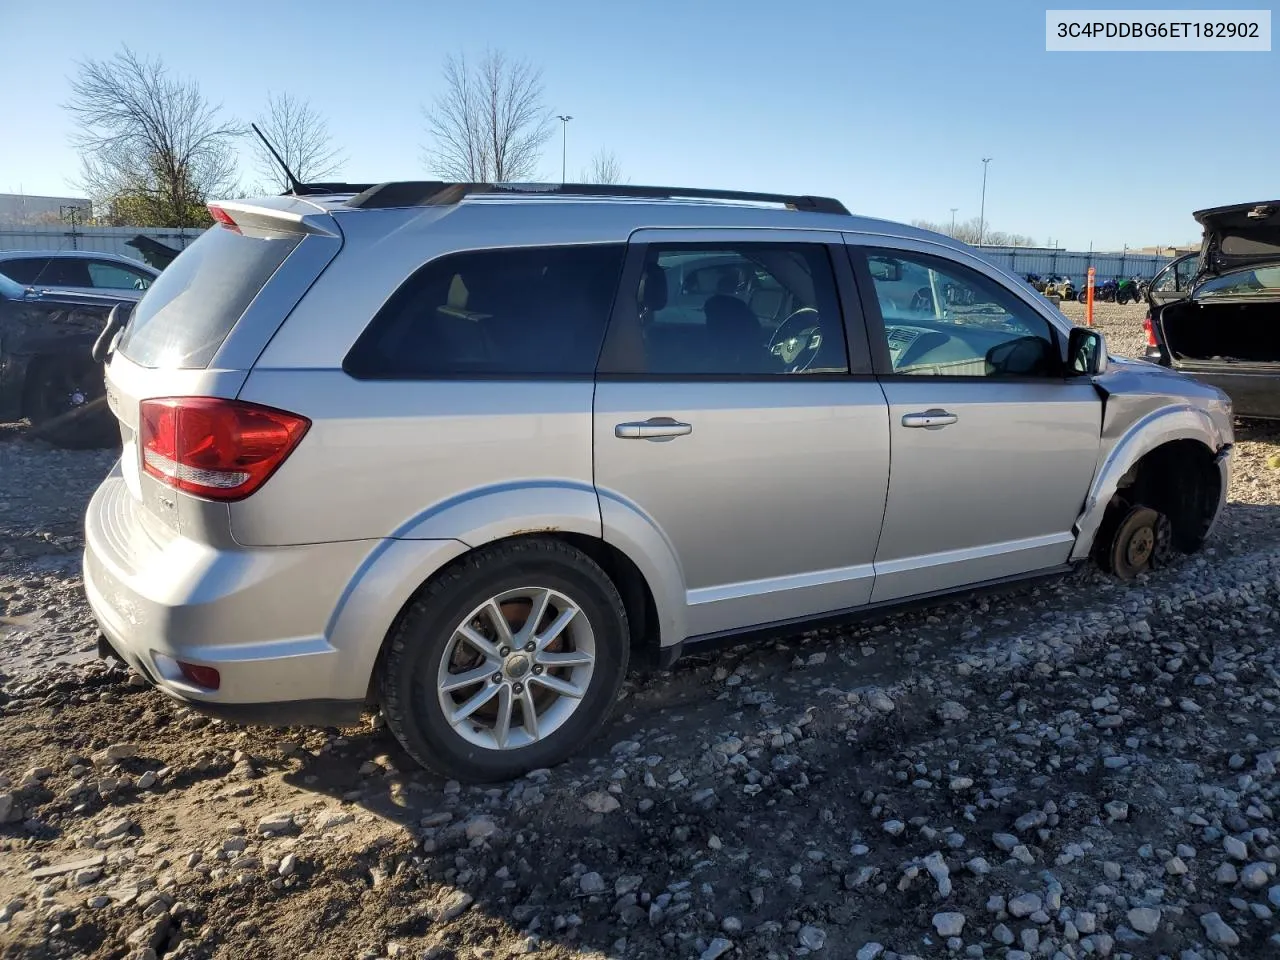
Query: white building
x=24 y=208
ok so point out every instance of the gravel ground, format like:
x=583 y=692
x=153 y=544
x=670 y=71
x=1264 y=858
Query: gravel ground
x=1086 y=768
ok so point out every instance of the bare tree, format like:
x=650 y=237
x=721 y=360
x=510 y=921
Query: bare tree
x=489 y=124
x=149 y=141
x=967 y=231
x=301 y=135
x=605 y=168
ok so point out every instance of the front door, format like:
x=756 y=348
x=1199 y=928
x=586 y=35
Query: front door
x=993 y=447
x=729 y=426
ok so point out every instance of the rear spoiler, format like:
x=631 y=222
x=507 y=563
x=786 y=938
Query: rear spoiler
x=284 y=214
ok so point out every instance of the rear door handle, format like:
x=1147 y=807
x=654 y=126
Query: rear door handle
x=655 y=428
x=934 y=417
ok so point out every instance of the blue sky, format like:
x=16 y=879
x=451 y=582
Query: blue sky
x=888 y=106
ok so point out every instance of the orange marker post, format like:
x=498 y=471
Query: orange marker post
x=1088 y=300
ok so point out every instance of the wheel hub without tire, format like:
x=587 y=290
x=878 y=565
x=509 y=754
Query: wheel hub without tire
x=516 y=668
x=1141 y=546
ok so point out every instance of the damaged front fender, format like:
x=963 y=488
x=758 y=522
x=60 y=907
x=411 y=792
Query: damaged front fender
x=1145 y=407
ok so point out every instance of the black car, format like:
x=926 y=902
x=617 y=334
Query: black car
x=47 y=371
x=1216 y=316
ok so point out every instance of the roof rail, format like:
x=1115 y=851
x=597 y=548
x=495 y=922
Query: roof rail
x=434 y=193
x=317 y=189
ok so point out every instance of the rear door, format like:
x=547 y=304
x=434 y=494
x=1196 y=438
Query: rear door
x=755 y=448
x=993 y=448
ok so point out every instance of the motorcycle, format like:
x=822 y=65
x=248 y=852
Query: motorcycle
x=1105 y=291
x=1060 y=287
x=1130 y=289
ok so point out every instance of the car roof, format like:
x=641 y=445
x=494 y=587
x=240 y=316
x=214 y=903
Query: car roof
x=74 y=255
x=584 y=212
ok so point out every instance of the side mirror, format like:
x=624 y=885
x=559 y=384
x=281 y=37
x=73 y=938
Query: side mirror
x=116 y=320
x=1086 y=352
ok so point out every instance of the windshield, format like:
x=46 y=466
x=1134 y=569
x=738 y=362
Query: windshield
x=1254 y=282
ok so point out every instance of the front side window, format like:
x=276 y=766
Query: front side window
x=944 y=319
x=1176 y=276
x=114 y=276
x=729 y=310
x=515 y=312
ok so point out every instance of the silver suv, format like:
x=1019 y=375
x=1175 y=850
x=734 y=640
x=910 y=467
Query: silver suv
x=461 y=451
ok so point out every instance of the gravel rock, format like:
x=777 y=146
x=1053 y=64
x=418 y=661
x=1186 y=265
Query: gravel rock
x=601 y=802
x=1255 y=876
x=1218 y=932
x=811 y=937
x=277 y=823
x=948 y=924
x=1025 y=905
x=870 y=951
x=1144 y=919
x=716 y=949
x=952 y=712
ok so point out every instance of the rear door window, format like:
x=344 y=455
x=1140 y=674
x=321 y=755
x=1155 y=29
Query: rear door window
x=194 y=304
x=516 y=312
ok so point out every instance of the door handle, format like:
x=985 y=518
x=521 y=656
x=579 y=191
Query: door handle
x=655 y=428
x=931 y=418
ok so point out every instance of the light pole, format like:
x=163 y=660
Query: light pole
x=564 y=142
x=953 y=220
x=982 y=212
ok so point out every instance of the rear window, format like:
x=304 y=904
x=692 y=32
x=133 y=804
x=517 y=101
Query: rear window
x=518 y=312
x=195 y=302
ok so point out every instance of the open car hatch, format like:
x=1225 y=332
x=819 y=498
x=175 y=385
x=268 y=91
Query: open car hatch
x=1238 y=236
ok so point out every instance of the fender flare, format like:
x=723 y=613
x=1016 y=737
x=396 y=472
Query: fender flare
x=1162 y=426
x=442 y=533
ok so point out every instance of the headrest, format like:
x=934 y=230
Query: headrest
x=653 y=287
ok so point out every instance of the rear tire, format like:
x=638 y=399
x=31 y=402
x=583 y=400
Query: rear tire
x=67 y=404
x=440 y=640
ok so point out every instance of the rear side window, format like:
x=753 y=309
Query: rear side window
x=195 y=302
x=23 y=271
x=517 y=312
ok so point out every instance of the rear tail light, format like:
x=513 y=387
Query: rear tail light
x=1150 y=330
x=213 y=448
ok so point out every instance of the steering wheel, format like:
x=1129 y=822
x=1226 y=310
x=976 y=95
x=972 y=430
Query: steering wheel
x=797 y=340
x=922 y=299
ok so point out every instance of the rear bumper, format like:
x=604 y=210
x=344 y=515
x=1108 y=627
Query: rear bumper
x=258 y=616
x=287 y=713
x=1254 y=389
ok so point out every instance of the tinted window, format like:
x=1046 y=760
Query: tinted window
x=23 y=271
x=194 y=304
x=114 y=276
x=943 y=319
x=63 y=272
x=523 y=311
x=738 y=310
